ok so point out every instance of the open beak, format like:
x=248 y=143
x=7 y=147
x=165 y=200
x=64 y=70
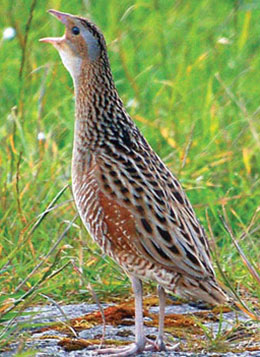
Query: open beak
x=52 y=40
x=62 y=17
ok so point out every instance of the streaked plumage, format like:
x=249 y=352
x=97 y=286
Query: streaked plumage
x=129 y=201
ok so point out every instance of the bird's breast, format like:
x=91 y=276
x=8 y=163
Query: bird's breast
x=109 y=224
x=86 y=193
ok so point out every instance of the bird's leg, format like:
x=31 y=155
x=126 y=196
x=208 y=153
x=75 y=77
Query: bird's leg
x=159 y=344
x=162 y=301
x=139 y=320
x=140 y=339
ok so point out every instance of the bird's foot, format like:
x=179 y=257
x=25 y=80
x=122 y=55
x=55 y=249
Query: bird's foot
x=159 y=346
x=135 y=348
x=129 y=350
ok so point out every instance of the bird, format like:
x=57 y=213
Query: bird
x=129 y=201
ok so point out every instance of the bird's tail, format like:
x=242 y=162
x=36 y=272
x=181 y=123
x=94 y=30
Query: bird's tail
x=206 y=290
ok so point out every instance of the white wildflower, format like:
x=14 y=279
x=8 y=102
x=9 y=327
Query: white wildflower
x=41 y=136
x=9 y=33
x=224 y=41
x=132 y=103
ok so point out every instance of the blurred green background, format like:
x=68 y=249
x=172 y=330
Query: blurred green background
x=189 y=75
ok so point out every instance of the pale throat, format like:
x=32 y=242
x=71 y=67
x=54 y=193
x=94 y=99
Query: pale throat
x=73 y=64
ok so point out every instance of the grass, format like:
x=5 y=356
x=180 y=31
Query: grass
x=188 y=73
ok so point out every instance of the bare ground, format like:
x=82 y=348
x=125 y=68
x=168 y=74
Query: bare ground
x=76 y=329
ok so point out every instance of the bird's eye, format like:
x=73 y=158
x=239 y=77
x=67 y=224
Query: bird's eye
x=75 y=30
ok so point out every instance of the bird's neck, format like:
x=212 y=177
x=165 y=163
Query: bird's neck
x=98 y=107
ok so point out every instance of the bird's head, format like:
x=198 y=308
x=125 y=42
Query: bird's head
x=82 y=43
